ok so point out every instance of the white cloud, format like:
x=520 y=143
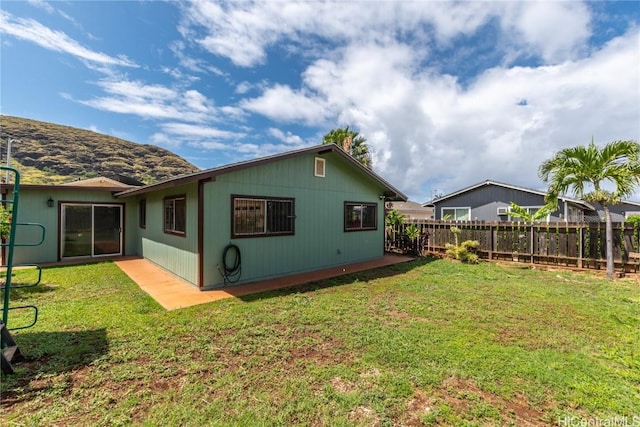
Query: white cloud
x=152 y=101
x=554 y=30
x=184 y=131
x=243 y=87
x=244 y=31
x=286 y=137
x=191 y=63
x=282 y=103
x=42 y=5
x=428 y=132
x=176 y=134
x=33 y=31
x=485 y=134
x=424 y=127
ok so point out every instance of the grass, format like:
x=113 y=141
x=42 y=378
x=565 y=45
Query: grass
x=430 y=342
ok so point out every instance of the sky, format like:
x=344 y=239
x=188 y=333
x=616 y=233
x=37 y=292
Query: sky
x=447 y=94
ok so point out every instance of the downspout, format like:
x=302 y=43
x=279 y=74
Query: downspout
x=383 y=199
x=200 y=239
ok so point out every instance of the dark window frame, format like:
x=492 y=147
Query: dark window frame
x=142 y=213
x=267 y=220
x=351 y=223
x=169 y=224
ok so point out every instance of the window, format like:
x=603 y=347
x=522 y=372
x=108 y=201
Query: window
x=175 y=215
x=319 y=167
x=456 y=214
x=360 y=216
x=531 y=210
x=259 y=216
x=574 y=214
x=142 y=212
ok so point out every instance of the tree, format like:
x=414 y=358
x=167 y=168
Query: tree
x=392 y=221
x=351 y=142
x=588 y=171
x=518 y=211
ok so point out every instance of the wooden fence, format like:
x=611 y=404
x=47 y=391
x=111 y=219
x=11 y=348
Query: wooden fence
x=579 y=245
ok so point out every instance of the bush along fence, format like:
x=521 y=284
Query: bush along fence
x=579 y=245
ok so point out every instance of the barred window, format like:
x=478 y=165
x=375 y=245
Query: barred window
x=260 y=216
x=175 y=215
x=360 y=216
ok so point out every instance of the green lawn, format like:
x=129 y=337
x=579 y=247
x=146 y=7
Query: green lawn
x=430 y=342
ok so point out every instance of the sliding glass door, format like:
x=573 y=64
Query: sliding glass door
x=90 y=230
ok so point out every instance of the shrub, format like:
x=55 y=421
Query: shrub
x=413 y=233
x=465 y=252
x=5 y=222
x=633 y=219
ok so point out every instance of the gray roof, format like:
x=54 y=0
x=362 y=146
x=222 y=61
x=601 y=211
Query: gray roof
x=390 y=191
x=510 y=186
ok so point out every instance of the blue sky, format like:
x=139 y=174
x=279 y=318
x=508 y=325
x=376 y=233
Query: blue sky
x=447 y=94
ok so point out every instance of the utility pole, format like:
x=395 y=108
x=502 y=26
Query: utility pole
x=9 y=141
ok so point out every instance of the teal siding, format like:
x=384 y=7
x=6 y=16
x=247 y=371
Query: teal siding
x=33 y=209
x=319 y=241
x=177 y=254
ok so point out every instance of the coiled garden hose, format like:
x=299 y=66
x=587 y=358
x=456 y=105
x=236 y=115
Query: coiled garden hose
x=231 y=272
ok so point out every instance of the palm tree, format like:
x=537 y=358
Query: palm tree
x=585 y=170
x=393 y=222
x=518 y=211
x=351 y=142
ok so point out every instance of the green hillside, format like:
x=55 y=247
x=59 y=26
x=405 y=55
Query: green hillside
x=47 y=153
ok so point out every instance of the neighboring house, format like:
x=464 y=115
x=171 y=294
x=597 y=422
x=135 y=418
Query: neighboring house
x=490 y=201
x=619 y=212
x=289 y=213
x=411 y=210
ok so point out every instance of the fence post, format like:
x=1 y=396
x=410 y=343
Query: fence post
x=491 y=241
x=580 y=247
x=531 y=244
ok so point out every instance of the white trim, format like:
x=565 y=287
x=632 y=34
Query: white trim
x=455 y=208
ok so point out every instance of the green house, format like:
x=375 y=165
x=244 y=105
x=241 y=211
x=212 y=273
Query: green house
x=280 y=215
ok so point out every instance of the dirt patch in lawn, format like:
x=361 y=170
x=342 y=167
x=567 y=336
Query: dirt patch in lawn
x=463 y=397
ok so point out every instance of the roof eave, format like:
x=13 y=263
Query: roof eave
x=390 y=192
x=9 y=187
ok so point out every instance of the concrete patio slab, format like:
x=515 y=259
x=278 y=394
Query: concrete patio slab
x=172 y=292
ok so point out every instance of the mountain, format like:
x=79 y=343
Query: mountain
x=47 y=153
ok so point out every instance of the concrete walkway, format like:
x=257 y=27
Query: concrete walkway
x=172 y=293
